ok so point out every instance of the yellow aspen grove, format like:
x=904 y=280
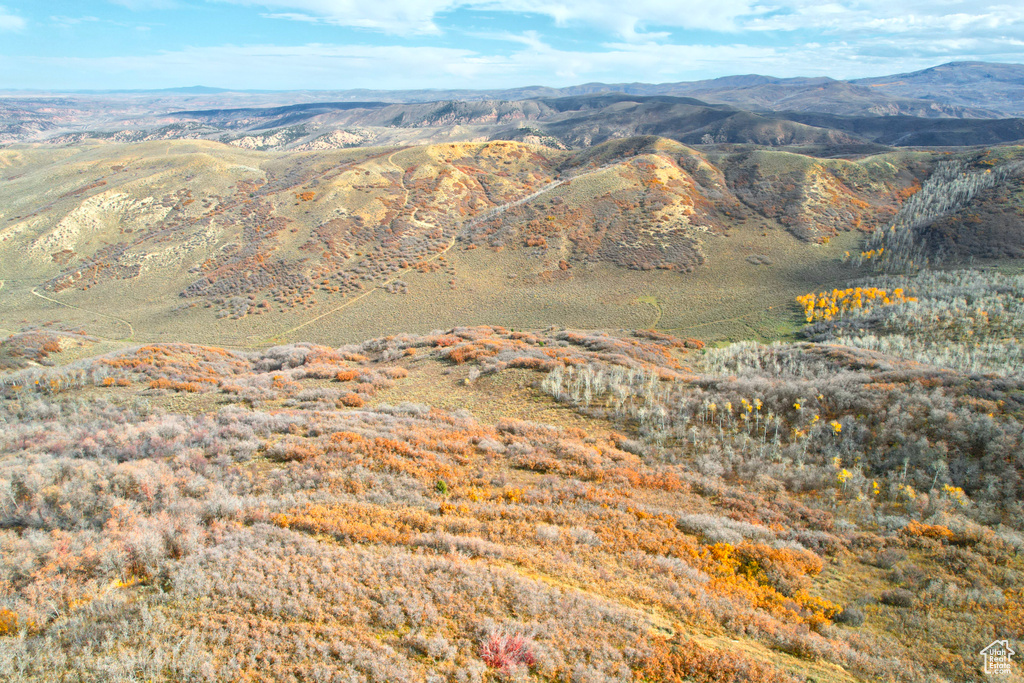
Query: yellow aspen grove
x=829 y=305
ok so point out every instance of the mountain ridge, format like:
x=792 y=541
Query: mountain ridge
x=924 y=92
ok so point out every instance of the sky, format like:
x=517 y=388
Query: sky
x=484 y=44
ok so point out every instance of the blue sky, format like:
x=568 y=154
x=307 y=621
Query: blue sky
x=392 y=44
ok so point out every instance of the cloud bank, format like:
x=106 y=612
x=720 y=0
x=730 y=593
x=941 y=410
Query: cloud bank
x=404 y=44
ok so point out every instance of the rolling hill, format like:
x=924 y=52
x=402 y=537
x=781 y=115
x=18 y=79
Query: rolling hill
x=208 y=242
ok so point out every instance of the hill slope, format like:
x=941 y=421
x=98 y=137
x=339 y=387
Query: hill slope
x=212 y=243
x=996 y=87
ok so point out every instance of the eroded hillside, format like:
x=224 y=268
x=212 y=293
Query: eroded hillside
x=206 y=242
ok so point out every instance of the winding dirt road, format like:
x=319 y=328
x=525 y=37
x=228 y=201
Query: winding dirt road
x=131 y=330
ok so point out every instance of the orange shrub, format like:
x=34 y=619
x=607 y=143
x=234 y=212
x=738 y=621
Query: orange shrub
x=352 y=400
x=539 y=364
x=174 y=385
x=936 y=531
x=51 y=346
x=293 y=451
x=357 y=522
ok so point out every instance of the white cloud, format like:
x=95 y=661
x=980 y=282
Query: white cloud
x=326 y=67
x=626 y=19
x=72 y=21
x=629 y=19
x=390 y=16
x=642 y=21
x=885 y=16
x=837 y=38
x=146 y=4
x=10 y=22
x=645 y=20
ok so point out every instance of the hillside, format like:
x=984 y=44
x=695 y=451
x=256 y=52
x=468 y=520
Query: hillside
x=996 y=87
x=208 y=243
x=822 y=95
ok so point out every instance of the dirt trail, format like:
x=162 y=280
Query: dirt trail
x=487 y=215
x=401 y=175
x=131 y=330
x=654 y=304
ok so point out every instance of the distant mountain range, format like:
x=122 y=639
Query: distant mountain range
x=963 y=103
x=997 y=88
x=954 y=90
x=586 y=120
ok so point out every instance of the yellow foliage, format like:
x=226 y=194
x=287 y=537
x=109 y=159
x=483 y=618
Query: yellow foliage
x=513 y=495
x=955 y=493
x=843 y=477
x=829 y=305
x=8 y=622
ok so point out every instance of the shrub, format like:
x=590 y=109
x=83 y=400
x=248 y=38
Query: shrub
x=451 y=543
x=898 y=597
x=292 y=451
x=506 y=650
x=887 y=559
x=8 y=622
x=678 y=660
x=851 y=616
x=936 y=531
x=352 y=400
